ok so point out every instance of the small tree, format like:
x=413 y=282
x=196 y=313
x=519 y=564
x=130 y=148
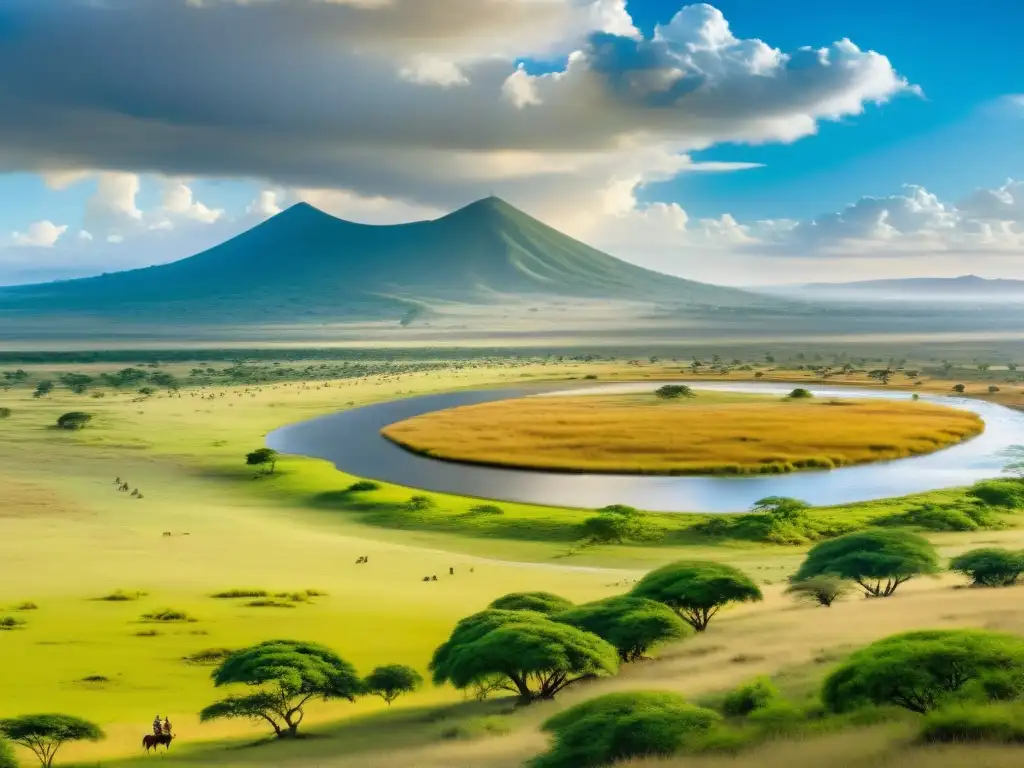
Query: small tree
x=633 y=625
x=264 y=458
x=922 y=670
x=43 y=388
x=697 y=590
x=619 y=726
x=617 y=524
x=391 y=681
x=959 y=388
x=74 y=420
x=800 y=394
x=520 y=651
x=541 y=602
x=285 y=675
x=47 y=733
x=781 y=508
x=823 y=590
x=5 y=413
x=989 y=567
x=674 y=391
x=878 y=560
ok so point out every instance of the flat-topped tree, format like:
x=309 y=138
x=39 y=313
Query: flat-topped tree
x=989 y=566
x=632 y=624
x=264 y=458
x=541 y=602
x=520 y=651
x=878 y=560
x=391 y=681
x=697 y=590
x=45 y=734
x=284 y=675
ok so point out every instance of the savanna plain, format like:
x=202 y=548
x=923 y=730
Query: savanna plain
x=140 y=548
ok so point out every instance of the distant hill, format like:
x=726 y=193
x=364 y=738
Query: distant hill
x=964 y=288
x=304 y=264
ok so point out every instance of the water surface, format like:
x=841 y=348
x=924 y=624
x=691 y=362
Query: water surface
x=351 y=440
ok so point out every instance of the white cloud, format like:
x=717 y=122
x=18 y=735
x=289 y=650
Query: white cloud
x=178 y=201
x=266 y=204
x=367 y=210
x=84 y=235
x=40 y=234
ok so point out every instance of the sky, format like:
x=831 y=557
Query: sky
x=742 y=143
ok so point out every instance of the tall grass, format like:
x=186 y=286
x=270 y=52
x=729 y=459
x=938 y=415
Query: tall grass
x=756 y=436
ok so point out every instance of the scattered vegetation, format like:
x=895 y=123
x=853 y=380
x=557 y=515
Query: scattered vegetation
x=540 y=602
x=122 y=596
x=391 y=681
x=633 y=625
x=989 y=567
x=697 y=590
x=208 y=656
x=74 y=420
x=10 y=622
x=167 y=615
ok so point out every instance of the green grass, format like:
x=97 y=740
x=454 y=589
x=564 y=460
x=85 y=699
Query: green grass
x=97 y=561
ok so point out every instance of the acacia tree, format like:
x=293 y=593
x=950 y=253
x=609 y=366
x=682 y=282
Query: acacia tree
x=74 y=420
x=697 y=590
x=45 y=734
x=922 y=670
x=520 y=651
x=541 y=602
x=262 y=457
x=632 y=624
x=989 y=567
x=878 y=560
x=391 y=681
x=284 y=676
x=824 y=589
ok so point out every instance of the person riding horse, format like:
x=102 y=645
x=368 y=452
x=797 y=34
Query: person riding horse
x=157 y=726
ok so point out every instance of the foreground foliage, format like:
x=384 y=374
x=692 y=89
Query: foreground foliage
x=923 y=670
x=541 y=602
x=1000 y=723
x=285 y=675
x=696 y=590
x=520 y=651
x=45 y=734
x=620 y=726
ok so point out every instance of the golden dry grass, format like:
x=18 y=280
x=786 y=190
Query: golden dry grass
x=709 y=434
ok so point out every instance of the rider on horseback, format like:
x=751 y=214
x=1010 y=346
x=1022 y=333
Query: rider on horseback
x=157 y=727
x=167 y=726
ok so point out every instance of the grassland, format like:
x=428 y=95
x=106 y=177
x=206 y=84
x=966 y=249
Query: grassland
x=710 y=433
x=68 y=538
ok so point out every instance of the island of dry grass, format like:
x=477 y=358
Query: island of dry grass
x=712 y=433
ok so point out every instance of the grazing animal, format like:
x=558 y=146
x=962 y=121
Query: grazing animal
x=167 y=533
x=153 y=740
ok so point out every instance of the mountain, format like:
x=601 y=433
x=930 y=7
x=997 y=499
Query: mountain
x=967 y=288
x=304 y=264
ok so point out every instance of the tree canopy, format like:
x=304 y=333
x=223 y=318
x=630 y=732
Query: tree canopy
x=520 y=651
x=7 y=757
x=74 y=420
x=633 y=625
x=922 y=670
x=262 y=457
x=989 y=567
x=45 y=734
x=673 y=391
x=620 y=726
x=696 y=590
x=541 y=602
x=618 y=524
x=878 y=560
x=391 y=681
x=286 y=675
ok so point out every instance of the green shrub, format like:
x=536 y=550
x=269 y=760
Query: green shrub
x=9 y=622
x=800 y=394
x=673 y=391
x=7 y=757
x=28 y=605
x=74 y=420
x=757 y=694
x=208 y=656
x=934 y=517
x=5 y=413
x=270 y=602
x=420 y=503
x=167 y=614
x=121 y=596
x=989 y=567
x=232 y=594
x=963 y=723
x=363 y=486
x=621 y=726
x=924 y=670
x=777 y=717
x=999 y=493
x=541 y=602
x=487 y=509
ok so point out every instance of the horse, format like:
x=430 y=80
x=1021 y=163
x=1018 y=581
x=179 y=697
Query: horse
x=154 y=740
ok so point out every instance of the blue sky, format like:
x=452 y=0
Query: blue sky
x=173 y=153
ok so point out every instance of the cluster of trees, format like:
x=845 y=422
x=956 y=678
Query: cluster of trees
x=284 y=675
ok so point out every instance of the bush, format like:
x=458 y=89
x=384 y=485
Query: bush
x=230 y=594
x=989 y=567
x=487 y=509
x=632 y=624
x=924 y=670
x=959 y=724
x=618 y=528
x=270 y=602
x=120 y=596
x=621 y=726
x=757 y=694
x=74 y=420
x=673 y=391
x=5 y=413
x=697 y=590
x=7 y=757
x=800 y=394
x=823 y=590
x=9 y=622
x=999 y=493
x=363 y=486
x=420 y=503
x=541 y=602
x=208 y=656
x=167 y=614
x=28 y=605
x=933 y=517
